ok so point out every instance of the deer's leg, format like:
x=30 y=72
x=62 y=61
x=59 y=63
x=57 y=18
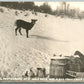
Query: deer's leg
x=16 y=30
x=27 y=33
x=20 y=31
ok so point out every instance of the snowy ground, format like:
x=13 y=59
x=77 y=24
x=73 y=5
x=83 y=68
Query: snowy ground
x=50 y=35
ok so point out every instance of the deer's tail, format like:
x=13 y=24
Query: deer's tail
x=15 y=23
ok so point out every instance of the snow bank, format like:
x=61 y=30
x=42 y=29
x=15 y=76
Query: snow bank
x=50 y=35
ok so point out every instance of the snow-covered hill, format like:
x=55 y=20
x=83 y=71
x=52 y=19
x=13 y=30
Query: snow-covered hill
x=50 y=35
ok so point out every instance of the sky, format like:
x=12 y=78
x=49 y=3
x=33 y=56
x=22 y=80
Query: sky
x=55 y=4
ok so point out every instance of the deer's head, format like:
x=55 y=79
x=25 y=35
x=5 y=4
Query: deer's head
x=33 y=20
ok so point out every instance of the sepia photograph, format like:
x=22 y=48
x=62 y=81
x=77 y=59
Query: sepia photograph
x=41 y=41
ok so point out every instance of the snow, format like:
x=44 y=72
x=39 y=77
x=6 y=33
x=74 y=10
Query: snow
x=50 y=35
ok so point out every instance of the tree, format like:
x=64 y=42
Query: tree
x=46 y=8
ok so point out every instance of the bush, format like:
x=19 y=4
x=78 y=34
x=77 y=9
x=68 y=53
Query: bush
x=5 y=74
x=16 y=13
x=1 y=10
x=46 y=15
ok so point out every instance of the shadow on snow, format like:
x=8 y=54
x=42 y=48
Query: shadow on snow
x=47 y=38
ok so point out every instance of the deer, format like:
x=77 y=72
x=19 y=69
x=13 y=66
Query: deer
x=25 y=25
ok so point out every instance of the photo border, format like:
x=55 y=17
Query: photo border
x=30 y=82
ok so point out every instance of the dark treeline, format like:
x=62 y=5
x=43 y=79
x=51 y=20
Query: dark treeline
x=62 y=10
x=45 y=8
x=18 y=5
